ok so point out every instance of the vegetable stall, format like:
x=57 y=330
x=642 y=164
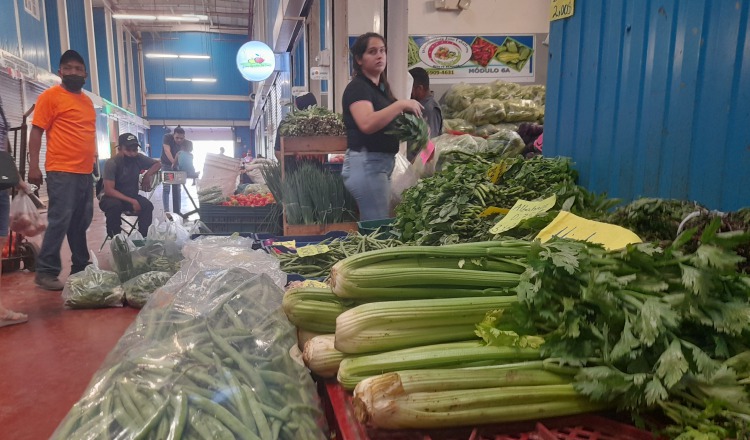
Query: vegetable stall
x=471 y=314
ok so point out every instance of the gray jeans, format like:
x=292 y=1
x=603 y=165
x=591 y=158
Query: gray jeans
x=71 y=208
x=367 y=176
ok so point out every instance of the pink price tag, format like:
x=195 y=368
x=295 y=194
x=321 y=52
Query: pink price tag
x=427 y=153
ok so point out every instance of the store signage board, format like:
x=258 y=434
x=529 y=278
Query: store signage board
x=299 y=90
x=319 y=73
x=473 y=58
x=255 y=61
x=560 y=9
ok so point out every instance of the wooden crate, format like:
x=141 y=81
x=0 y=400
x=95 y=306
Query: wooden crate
x=319 y=229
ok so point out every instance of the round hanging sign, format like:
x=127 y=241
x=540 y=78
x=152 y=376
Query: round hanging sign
x=255 y=61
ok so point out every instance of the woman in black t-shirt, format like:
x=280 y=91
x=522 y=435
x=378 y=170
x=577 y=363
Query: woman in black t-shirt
x=369 y=108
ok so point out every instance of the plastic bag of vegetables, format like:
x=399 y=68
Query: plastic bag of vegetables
x=205 y=358
x=24 y=217
x=484 y=111
x=522 y=110
x=93 y=288
x=458 y=98
x=169 y=230
x=457 y=124
x=139 y=289
x=506 y=143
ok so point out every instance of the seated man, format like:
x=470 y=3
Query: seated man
x=121 y=184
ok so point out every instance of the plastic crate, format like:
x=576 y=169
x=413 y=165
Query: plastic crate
x=241 y=219
x=343 y=423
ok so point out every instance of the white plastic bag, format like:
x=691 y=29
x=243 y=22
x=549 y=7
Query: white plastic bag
x=24 y=217
x=169 y=231
x=402 y=178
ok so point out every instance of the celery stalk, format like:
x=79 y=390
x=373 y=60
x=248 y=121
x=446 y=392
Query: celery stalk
x=389 y=325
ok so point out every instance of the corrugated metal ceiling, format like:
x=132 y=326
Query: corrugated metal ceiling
x=223 y=15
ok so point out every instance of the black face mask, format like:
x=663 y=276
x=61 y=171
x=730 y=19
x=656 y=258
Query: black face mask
x=73 y=83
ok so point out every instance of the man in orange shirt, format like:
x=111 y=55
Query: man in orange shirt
x=69 y=118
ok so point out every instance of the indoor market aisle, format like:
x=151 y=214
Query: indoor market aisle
x=47 y=363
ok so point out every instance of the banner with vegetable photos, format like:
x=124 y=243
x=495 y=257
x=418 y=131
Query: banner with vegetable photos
x=473 y=58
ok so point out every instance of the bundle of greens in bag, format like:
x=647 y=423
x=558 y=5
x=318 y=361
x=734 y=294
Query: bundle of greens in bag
x=93 y=288
x=130 y=260
x=139 y=289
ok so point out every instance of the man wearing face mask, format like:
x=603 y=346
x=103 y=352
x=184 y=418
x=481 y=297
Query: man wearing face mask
x=121 y=178
x=67 y=115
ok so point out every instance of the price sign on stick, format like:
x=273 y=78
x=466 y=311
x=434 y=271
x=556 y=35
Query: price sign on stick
x=522 y=210
x=313 y=249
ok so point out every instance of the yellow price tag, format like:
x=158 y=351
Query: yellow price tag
x=313 y=283
x=567 y=225
x=287 y=244
x=560 y=9
x=522 y=210
x=496 y=171
x=313 y=249
x=494 y=210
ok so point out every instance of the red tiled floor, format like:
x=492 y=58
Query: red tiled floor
x=47 y=363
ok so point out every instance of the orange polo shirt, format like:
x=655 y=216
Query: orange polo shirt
x=70 y=122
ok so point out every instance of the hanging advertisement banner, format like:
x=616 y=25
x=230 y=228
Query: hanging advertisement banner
x=473 y=58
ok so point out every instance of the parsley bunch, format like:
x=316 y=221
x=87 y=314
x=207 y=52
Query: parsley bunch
x=649 y=327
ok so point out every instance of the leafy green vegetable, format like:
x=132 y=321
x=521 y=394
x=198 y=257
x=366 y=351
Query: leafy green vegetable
x=313 y=121
x=650 y=327
x=446 y=207
x=411 y=129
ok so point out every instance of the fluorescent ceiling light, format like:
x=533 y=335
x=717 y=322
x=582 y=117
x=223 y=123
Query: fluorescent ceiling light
x=161 y=55
x=207 y=80
x=133 y=17
x=178 y=79
x=190 y=18
x=196 y=57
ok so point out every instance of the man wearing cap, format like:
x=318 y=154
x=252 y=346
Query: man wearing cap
x=121 y=185
x=68 y=117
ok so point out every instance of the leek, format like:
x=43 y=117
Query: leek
x=389 y=325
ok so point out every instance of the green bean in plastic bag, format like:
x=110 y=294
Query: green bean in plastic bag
x=139 y=289
x=93 y=288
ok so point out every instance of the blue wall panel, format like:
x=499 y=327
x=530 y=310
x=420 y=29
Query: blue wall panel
x=197 y=109
x=653 y=99
x=53 y=33
x=77 y=33
x=298 y=67
x=8 y=30
x=102 y=54
x=155 y=136
x=222 y=65
x=245 y=143
x=33 y=39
